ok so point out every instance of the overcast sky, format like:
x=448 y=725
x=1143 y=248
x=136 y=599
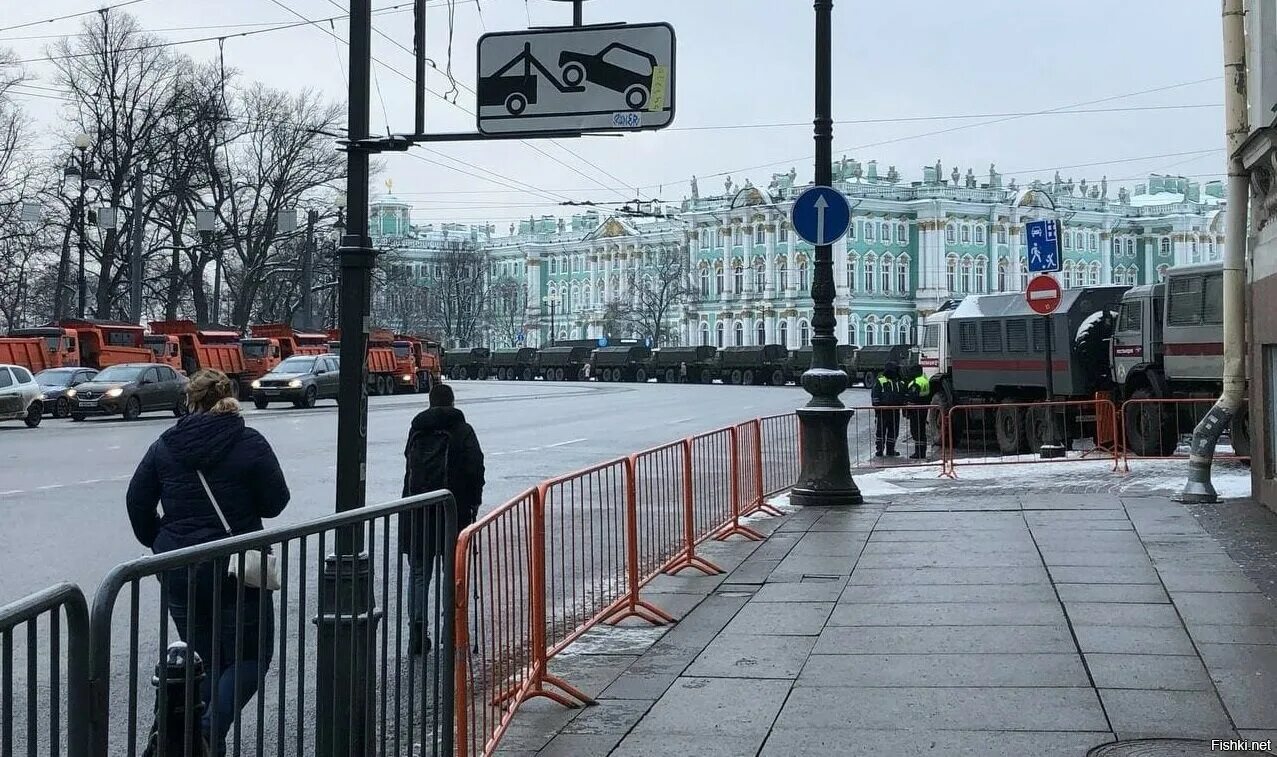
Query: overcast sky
x=743 y=62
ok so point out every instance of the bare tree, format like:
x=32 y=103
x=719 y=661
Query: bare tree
x=402 y=303
x=617 y=318
x=460 y=292
x=661 y=287
x=508 y=298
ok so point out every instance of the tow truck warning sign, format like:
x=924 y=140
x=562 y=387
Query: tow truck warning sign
x=576 y=79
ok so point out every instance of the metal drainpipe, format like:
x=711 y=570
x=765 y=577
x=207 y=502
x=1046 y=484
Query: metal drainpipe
x=1198 y=488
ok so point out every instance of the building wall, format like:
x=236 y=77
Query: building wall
x=1262 y=364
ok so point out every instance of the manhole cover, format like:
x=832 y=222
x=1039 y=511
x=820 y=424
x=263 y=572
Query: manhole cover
x=1171 y=748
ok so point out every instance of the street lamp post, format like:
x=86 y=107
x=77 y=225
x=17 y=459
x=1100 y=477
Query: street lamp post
x=825 y=478
x=205 y=223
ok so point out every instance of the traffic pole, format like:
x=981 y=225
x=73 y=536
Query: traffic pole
x=347 y=617
x=136 y=267
x=308 y=272
x=825 y=478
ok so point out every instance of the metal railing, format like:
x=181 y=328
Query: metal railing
x=258 y=645
x=1014 y=432
x=51 y=714
x=1161 y=429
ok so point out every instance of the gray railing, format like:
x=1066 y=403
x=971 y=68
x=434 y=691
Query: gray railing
x=56 y=711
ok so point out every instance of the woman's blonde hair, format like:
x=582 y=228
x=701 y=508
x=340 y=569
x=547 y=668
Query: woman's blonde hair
x=211 y=391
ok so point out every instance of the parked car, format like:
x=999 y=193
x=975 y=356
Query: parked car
x=130 y=389
x=302 y=380
x=54 y=383
x=20 y=396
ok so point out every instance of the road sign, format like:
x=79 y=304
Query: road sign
x=1043 y=238
x=576 y=79
x=1043 y=295
x=821 y=215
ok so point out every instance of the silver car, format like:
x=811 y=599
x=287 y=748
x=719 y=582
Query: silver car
x=20 y=396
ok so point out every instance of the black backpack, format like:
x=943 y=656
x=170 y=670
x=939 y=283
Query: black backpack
x=428 y=461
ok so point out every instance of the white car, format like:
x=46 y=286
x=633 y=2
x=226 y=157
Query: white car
x=19 y=396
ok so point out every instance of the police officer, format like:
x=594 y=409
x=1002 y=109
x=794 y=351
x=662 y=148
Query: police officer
x=889 y=392
x=918 y=392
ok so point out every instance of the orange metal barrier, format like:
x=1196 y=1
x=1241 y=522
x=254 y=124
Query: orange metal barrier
x=867 y=423
x=1013 y=432
x=1160 y=429
x=541 y=570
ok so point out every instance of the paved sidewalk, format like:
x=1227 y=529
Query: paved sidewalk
x=1032 y=624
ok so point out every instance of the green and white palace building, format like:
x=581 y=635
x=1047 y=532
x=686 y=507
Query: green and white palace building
x=912 y=246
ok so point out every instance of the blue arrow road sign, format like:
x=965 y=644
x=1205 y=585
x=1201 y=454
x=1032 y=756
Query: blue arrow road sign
x=821 y=215
x=1043 y=238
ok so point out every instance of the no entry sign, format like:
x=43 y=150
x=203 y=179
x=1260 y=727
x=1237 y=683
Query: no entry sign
x=1043 y=295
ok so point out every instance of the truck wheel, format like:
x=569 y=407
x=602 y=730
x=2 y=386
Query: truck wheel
x=868 y=379
x=464 y=374
x=261 y=404
x=605 y=374
x=640 y=375
x=747 y=378
x=560 y=374
x=736 y=377
x=1239 y=432
x=670 y=376
x=707 y=377
x=778 y=377
x=1151 y=429
x=35 y=414
x=61 y=408
x=527 y=374
x=1010 y=429
x=132 y=409
x=618 y=374
x=1038 y=423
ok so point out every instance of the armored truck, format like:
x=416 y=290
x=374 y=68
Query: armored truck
x=760 y=364
x=563 y=363
x=511 y=365
x=626 y=362
x=467 y=363
x=702 y=365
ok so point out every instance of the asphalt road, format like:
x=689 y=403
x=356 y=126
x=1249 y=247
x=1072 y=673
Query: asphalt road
x=62 y=485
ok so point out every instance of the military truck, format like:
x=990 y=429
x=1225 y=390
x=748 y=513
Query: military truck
x=511 y=365
x=563 y=363
x=991 y=350
x=702 y=364
x=467 y=363
x=872 y=360
x=624 y=362
x=800 y=360
x=760 y=364
x=1169 y=344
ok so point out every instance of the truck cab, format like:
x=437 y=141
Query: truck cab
x=165 y=349
x=933 y=354
x=1137 y=349
x=261 y=355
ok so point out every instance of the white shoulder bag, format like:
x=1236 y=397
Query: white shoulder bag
x=253 y=561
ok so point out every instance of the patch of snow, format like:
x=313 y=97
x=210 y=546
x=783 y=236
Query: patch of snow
x=605 y=639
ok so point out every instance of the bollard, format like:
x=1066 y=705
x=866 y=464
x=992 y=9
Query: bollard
x=169 y=733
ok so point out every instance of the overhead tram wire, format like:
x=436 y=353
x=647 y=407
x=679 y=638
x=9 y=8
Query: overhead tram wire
x=67 y=16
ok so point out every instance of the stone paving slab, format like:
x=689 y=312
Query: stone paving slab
x=913 y=594
x=781 y=618
x=864 y=575
x=945 y=639
x=1165 y=713
x=900 y=614
x=936 y=670
x=1148 y=671
x=848 y=742
x=1117 y=639
x=1119 y=593
x=753 y=657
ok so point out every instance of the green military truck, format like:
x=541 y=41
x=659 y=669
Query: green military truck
x=626 y=362
x=871 y=361
x=467 y=363
x=761 y=364
x=563 y=363
x=512 y=365
x=800 y=361
x=702 y=364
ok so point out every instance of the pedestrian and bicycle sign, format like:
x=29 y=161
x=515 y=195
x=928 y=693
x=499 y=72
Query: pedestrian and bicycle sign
x=821 y=215
x=1043 y=239
x=576 y=79
x=1043 y=295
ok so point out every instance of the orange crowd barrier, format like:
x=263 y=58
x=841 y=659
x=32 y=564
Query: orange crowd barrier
x=1161 y=429
x=576 y=551
x=1013 y=433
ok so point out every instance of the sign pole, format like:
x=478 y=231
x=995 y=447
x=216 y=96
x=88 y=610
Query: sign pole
x=825 y=478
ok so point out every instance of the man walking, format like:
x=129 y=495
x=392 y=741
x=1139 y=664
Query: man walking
x=918 y=392
x=889 y=392
x=442 y=453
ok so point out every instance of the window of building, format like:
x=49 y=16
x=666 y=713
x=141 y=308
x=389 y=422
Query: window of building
x=991 y=336
x=704 y=334
x=906 y=332
x=1095 y=273
x=738 y=277
x=951 y=273
x=1092 y=241
x=783 y=234
x=851 y=231
x=1130 y=248
x=1210 y=248
x=718 y=280
x=888 y=330
x=871 y=272
x=1164 y=246
x=853 y=328
x=704 y=237
x=1069 y=268
x=804 y=334
x=885 y=230
x=966 y=234
x=968 y=283
x=902 y=234
x=1024 y=274
x=981 y=274
x=736 y=237
x=950 y=234
x=853 y=262
x=718 y=330
x=760 y=235
x=871 y=331
x=804 y=274
x=738 y=333
x=887 y=270
x=902 y=274
x=869 y=231
x=704 y=281
x=979 y=235
x=760 y=275
x=1117 y=247
x=760 y=333
x=782 y=273
x=1068 y=240
x=1002 y=235
x=783 y=336
x=1002 y=275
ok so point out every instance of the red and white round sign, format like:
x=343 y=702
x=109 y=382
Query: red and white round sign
x=1043 y=294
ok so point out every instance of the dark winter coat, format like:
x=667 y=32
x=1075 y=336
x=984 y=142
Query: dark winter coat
x=465 y=475
x=241 y=469
x=889 y=390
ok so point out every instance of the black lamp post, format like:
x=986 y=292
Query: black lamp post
x=825 y=478
x=84 y=173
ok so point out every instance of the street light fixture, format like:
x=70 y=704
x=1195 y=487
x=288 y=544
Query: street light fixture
x=81 y=170
x=206 y=225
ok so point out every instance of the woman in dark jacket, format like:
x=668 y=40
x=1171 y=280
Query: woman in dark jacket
x=245 y=477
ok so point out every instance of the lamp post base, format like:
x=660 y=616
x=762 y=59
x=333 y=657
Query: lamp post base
x=347 y=677
x=825 y=479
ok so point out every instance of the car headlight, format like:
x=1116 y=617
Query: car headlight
x=295 y=384
x=256 y=384
x=70 y=392
x=407 y=377
x=114 y=392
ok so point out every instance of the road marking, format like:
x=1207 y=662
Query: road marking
x=683 y=420
x=11 y=491
x=49 y=486
x=564 y=444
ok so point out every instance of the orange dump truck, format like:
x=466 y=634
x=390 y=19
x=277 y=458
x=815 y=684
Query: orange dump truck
x=269 y=344
x=382 y=364
x=215 y=347
x=165 y=349
x=418 y=362
x=91 y=343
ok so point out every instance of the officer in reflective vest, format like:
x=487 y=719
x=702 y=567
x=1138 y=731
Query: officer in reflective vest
x=918 y=392
x=888 y=393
